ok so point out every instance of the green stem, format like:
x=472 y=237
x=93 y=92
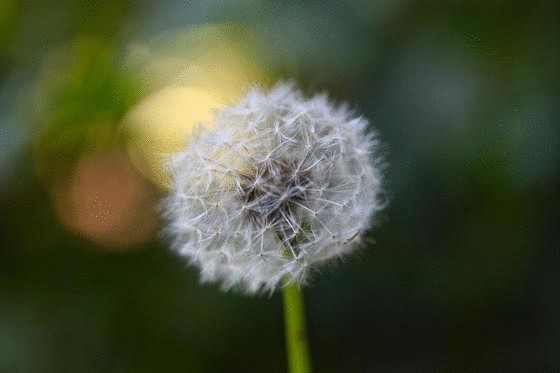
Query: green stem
x=296 y=335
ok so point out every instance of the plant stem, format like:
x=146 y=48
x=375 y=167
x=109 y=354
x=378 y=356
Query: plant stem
x=296 y=334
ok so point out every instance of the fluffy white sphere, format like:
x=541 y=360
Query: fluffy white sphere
x=275 y=186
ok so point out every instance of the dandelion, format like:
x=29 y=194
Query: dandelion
x=275 y=186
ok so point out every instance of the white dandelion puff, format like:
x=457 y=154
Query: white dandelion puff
x=277 y=185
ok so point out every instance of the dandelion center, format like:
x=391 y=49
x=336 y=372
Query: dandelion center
x=272 y=189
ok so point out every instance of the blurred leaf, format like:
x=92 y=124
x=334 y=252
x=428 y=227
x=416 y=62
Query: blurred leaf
x=81 y=97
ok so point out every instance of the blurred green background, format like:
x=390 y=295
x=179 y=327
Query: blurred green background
x=464 y=274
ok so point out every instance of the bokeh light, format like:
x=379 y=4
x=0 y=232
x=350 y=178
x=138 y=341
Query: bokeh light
x=161 y=123
x=187 y=74
x=105 y=200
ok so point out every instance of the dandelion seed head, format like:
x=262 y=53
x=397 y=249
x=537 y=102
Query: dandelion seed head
x=277 y=185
